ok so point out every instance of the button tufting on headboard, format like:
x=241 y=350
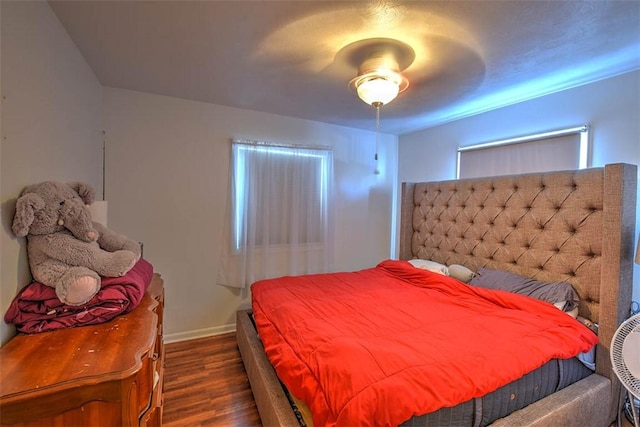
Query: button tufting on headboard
x=548 y=225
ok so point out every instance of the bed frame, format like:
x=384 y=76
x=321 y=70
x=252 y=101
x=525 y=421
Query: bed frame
x=577 y=226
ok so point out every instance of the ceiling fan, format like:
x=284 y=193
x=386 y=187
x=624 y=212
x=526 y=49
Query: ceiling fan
x=380 y=62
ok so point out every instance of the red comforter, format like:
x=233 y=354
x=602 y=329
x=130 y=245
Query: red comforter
x=37 y=308
x=377 y=346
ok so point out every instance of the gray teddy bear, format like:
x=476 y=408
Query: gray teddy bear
x=66 y=249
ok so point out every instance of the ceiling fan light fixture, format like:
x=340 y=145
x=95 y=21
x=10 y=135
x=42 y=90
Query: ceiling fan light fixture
x=379 y=82
x=377 y=90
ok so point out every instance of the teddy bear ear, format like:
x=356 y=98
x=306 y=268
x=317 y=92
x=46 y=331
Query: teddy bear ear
x=26 y=206
x=85 y=191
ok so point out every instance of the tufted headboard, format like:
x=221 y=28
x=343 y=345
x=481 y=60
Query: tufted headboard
x=576 y=226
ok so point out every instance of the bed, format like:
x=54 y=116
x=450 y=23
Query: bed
x=573 y=226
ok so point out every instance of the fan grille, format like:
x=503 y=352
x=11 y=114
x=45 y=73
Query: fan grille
x=628 y=327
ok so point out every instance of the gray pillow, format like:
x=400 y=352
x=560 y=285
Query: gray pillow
x=461 y=273
x=552 y=292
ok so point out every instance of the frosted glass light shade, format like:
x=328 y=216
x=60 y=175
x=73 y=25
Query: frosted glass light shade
x=378 y=90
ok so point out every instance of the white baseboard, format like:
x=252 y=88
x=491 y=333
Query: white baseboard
x=199 y=333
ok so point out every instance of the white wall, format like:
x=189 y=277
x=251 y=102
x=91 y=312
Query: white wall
x=167 y=163
x=51 y=122
x=611 y=107
x=167 y=180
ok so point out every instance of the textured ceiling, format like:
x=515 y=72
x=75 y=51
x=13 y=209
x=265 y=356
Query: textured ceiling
x=295 y=58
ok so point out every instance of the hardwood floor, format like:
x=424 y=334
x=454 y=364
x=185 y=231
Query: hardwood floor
x=206 y=385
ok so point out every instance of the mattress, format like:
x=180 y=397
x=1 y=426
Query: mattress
x=549 y=378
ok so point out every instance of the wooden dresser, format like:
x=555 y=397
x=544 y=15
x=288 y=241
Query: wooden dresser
x=109 y=374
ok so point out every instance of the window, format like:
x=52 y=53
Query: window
x=564 y=149
x=279 y=212
x=288 y=187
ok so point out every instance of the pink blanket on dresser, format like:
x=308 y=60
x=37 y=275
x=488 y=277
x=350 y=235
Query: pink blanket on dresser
x=36 y=308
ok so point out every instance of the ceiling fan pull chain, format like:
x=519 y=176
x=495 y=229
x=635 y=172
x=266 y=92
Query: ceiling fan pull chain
x=376 y=171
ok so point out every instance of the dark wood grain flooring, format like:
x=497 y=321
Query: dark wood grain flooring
x=206 y=385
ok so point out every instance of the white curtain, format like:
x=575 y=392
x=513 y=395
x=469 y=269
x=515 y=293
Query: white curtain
x=279 y=212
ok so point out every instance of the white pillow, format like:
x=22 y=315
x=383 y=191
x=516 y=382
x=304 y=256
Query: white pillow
x=430 y=265
x=561 y=306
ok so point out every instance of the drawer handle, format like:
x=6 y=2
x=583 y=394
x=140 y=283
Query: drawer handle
x=154 y=356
